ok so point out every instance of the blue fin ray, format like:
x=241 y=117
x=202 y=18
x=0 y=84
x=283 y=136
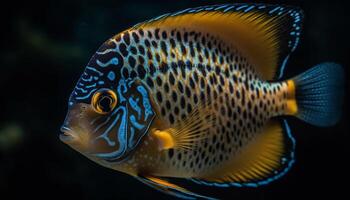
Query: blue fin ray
x=319 y=94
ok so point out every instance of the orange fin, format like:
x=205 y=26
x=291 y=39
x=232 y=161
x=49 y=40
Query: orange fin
x=268 y=157
x=292 y=106
x=265 y=34
x=169 y=188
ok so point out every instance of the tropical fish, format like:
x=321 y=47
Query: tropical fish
x=200 y=94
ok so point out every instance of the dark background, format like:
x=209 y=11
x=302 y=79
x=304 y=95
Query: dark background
x=43 y=52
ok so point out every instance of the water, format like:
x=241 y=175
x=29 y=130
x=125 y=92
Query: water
x=47 y=45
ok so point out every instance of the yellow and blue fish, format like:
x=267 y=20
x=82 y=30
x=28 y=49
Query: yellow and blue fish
x=200 y=94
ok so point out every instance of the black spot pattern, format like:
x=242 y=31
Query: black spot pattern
x=174 y=65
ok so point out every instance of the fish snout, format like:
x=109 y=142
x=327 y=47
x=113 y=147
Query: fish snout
x=67 y=134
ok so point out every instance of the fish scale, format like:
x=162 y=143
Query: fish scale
x=235 y=86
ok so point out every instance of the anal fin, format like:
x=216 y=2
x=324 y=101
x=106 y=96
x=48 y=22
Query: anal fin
x=170 y=188
x=266 y=158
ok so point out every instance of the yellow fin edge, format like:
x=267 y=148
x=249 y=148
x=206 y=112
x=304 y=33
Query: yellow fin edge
x=256 y=161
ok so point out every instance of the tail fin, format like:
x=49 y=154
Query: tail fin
x=319 y=94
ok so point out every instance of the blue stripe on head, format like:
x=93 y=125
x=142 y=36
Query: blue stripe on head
x=94 y=70
x=113 y=61
x=111 y=75
x=102 y=71
x=86 y=96
x=121 y=136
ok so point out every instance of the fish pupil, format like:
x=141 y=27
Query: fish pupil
x=105 y=103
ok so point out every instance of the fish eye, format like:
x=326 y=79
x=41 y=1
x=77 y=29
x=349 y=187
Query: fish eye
x=104 y=101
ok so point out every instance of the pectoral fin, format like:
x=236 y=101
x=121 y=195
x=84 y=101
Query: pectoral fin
x=169 y=188
x=185 y=133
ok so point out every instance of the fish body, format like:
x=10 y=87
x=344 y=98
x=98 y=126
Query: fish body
x=195 y=94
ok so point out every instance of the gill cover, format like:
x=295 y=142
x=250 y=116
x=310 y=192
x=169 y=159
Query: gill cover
x=134 y=116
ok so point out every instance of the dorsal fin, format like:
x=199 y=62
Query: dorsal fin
x=265 y=34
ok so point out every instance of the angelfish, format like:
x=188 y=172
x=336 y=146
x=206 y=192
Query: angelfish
x=200 y=94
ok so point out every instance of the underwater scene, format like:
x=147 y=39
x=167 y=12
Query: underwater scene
x=173 y=99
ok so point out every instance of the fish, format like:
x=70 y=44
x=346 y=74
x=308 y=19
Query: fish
x=201 y=95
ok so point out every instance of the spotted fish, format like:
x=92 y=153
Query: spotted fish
x=200 y=94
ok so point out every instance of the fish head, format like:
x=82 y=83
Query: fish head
x=107 y=116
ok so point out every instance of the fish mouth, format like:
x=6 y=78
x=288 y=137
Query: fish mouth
x=66 y=135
